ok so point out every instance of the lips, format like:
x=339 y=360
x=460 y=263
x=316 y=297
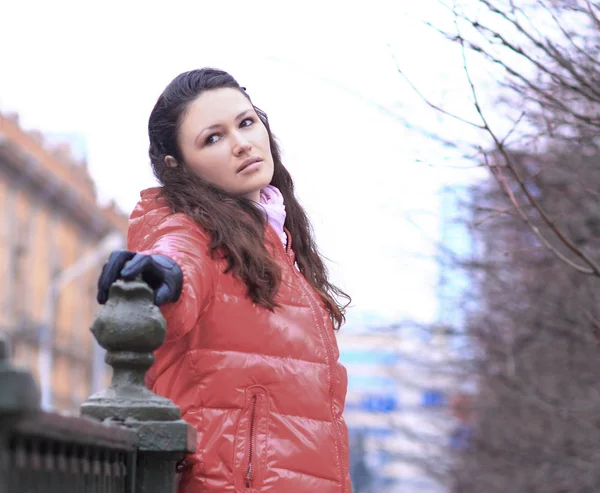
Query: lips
x=248 y=162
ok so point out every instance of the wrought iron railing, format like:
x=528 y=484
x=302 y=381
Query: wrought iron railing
x=128 y=439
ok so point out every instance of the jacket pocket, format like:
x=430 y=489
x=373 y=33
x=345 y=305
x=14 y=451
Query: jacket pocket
x=251 y=441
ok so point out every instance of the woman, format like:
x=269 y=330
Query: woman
x=250 y=355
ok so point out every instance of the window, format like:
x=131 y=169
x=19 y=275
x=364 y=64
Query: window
x=432 y=398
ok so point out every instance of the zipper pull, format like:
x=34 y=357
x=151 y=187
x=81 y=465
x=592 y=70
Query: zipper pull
x=249 y=477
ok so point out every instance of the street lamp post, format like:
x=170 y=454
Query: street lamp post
x=110 y=242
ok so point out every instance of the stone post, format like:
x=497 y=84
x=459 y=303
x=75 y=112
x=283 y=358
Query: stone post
x=130 y=327
x=19 y=397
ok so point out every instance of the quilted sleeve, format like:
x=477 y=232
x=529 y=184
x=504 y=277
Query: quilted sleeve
x=181 y=239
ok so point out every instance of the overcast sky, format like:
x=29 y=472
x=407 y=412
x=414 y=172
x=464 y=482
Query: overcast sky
x=323 y=72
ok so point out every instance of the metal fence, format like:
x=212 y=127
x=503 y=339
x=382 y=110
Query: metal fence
x=127 y=439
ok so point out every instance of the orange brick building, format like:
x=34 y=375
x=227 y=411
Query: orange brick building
x=50 y=219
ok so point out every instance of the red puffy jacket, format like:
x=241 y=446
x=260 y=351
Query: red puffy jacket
x=264 y=390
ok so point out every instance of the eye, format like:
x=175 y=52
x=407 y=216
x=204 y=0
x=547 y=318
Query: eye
x=246 y=122
x=211 y=139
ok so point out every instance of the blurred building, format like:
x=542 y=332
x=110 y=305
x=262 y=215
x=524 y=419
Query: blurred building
x=454 y=251
x=51 y=227
x=456 y=299
x=396 y=409
x=404 y=392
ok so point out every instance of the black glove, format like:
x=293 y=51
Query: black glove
x=161 y=273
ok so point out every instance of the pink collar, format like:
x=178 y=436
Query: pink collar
x=271 y=201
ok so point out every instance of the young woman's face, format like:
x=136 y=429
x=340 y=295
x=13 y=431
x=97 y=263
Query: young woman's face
x=223 y=141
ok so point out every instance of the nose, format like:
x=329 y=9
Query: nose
x=241 y=144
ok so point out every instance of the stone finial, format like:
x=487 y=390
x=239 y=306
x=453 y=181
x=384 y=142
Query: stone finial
x=4 y=349
x=19 y=391
x=130 y=327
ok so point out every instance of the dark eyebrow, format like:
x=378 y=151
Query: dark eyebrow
x=217 y=125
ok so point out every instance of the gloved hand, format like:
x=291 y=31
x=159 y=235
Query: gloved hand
x=161 y=273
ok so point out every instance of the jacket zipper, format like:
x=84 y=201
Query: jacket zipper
x=327 y=344
x=249 y=471
x=313 y=302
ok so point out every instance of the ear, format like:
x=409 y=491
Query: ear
x=171 y=162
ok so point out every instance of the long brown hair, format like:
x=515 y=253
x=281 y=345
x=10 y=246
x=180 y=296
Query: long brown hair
x=238 y=237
